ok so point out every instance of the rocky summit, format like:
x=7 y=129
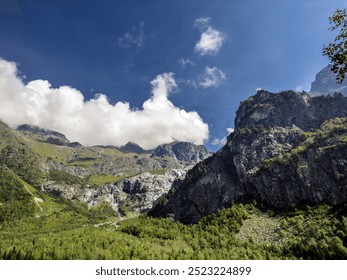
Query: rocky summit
x=287 y=149
x=182 y=151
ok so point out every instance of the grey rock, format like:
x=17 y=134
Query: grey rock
x=143 y=190
x=184 y=152
x=139 y=192
x=287 y=109
x=268 y=158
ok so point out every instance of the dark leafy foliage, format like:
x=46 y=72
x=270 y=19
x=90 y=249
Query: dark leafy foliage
x=337 y=50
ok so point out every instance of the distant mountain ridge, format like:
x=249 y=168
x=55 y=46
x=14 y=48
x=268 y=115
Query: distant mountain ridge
x=127 y=178
x=181 y=151
x=47 y=135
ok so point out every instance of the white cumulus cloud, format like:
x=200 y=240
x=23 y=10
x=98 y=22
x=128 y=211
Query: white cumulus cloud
x=213 y=77
x=211 y=39
x=97 y=121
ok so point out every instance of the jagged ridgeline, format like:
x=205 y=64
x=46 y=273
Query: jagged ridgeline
x=287 y=149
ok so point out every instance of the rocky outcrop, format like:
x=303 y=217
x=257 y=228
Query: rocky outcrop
x=44 y=135
x=288 y=109
x=137 y=193
x=143 y=190
x=184 y=152
x=312 y=171
x=325 y=82
x=287 y=148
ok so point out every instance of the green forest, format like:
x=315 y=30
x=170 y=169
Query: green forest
x=239 y=232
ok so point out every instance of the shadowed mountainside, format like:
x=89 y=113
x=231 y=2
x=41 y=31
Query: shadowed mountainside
x=288 y=148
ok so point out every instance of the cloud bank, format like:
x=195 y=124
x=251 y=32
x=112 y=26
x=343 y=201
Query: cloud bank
x=96 y=121
x=211 y=39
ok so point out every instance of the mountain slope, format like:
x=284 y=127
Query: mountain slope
x=127 y=179
x=19 y=157
x=15 y=201
x=281 y=153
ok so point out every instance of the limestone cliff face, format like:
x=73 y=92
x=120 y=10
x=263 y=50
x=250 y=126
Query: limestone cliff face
x=287 y=148
x=137 y=193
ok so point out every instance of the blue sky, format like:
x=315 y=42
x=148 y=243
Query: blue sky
x=218 y=51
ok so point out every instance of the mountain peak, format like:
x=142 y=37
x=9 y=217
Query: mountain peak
x=182 y=151
x=132 y=147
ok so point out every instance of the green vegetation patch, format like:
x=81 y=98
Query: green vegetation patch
x=104 y=179
x=15 y=201
x=64 y=177
x=335 y=128
x=157 y=171
x=22 y=161
x=308 y=233
x=50 y=151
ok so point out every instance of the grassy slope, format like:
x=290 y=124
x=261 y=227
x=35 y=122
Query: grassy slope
x=17 y=156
